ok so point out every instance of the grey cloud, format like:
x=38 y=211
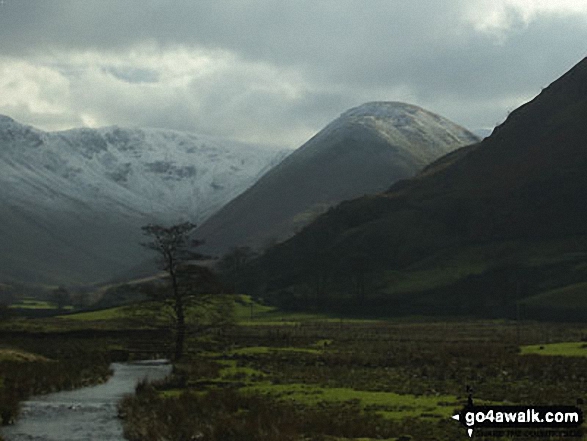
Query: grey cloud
x=379 y=42
x=133 y=75
x=279 y=32
x=345 y=52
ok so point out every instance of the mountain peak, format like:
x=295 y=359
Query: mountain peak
x=361 y=152
x=419 y=131
x=394 y=117
x=382 y=109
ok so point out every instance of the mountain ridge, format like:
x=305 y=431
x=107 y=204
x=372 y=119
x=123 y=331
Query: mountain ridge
x=363 y=151
x=79 y=191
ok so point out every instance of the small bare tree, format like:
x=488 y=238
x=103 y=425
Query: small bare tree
x=186 y=281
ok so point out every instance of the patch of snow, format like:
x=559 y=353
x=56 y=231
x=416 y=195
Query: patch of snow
x=156 y=172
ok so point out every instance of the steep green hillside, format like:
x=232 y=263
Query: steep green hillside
x=475 y=232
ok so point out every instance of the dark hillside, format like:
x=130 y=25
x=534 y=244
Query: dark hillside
x=515 y=201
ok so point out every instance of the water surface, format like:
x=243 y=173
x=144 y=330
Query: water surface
x=86 y=414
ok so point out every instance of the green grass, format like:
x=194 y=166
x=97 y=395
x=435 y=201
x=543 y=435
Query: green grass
x=103 y=314
x=408 y=378
x=171 y=393
x=575 y=295
x=425 y=279
x=268 y=350
x=262 y=315
x=248 y=312
x=566 y=349
x=36 y=304
x=388 y=404
x=455 y=265
x=231 y=371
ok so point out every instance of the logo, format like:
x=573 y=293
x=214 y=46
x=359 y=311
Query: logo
x=539 y=420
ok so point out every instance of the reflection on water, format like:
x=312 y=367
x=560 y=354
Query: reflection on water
x=84 y=414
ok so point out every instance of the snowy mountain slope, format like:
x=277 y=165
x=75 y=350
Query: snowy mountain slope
x=363 y=151
x=403 y=124
x=72 y=202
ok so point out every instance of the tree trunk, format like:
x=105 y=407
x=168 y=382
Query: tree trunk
x=179 y=313
x=179 y=332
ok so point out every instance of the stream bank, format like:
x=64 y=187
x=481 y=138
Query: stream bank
x=89 y=413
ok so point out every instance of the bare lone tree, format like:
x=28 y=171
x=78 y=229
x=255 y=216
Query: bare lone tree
x=186 y=279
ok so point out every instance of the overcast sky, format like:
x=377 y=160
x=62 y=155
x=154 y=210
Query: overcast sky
x=276 y=71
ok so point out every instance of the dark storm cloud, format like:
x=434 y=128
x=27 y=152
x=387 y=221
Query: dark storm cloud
x=287 y=67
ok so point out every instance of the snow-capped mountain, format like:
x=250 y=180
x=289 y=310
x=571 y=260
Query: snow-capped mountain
x=363 y=151
x=72 y=202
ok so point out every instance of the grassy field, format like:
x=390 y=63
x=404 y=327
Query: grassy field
x=246 y=312
x=100 y=315
x=276 y=375
x=33 y=304
x=575 y=294
x=30 y=303
x=342 y=380
x=564 y=349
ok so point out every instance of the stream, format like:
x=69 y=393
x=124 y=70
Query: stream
x=89 y=413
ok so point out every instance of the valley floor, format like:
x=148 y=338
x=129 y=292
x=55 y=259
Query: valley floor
x=342 y=380
x=278 y=376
